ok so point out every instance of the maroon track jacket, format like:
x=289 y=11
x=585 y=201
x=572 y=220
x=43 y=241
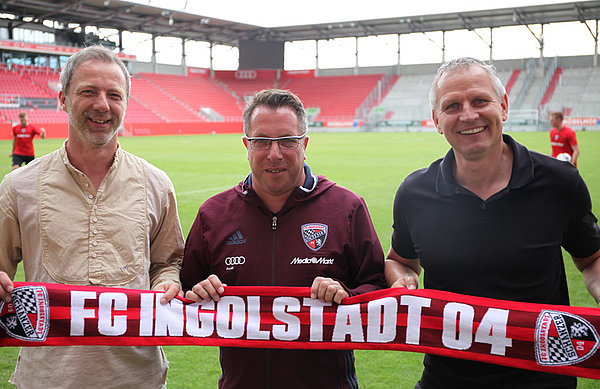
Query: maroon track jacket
x=322 y=230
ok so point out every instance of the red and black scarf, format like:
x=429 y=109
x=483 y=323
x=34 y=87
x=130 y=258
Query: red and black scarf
x=551 y=338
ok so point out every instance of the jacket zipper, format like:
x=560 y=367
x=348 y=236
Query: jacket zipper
x=273 y=228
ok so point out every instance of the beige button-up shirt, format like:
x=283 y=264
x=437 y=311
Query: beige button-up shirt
x=125 y=234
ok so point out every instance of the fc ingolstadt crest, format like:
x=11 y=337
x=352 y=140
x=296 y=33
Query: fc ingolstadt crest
x=26 y=317
x=563 y=339
x=314 y=235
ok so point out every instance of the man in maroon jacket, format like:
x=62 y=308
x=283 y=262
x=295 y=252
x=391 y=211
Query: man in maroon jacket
x=283 y=226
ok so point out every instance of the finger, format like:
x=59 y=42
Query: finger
x=192 y=296
x=323 y=287
x=340 y=295
x=408 y=282
x=209 y=289
x=6 y=287
x=205 y=291
x=5 y=296
x=216 y=283
x=331 y=291
x=171 y=290
x=314 y=289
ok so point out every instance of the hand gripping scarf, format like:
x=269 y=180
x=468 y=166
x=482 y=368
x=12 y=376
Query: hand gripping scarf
x=551 y=338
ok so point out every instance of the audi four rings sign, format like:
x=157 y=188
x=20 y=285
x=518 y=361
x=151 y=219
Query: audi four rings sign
x=232 y=261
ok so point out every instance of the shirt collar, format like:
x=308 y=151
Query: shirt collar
x=522 y=169
x=113 y=166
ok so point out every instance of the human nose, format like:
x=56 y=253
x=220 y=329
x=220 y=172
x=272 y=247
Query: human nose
x=101 y=102
x=469 y=114
x=274 y=151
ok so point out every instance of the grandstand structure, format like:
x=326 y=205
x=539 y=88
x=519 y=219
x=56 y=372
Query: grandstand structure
x=169 y=99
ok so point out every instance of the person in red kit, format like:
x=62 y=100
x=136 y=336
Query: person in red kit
x=22 y=147
x=562 y=138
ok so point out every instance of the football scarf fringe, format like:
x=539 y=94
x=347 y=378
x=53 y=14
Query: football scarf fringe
x=550 y=338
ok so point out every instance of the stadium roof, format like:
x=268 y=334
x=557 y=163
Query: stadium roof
x=123 y=15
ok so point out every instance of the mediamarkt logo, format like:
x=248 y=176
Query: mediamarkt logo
x=27 y=316
x=563 y=339
x=313 y=261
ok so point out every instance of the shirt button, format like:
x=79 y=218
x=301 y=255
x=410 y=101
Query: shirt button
x=86 y=185
x=94 y=243
x=483 y=206
x=90 y=196
x=95 y=232
x=94 y=255
x=95 y=219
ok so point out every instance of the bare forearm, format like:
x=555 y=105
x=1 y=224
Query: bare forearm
x=590 y=269
x=401 y=272
x=591 y=278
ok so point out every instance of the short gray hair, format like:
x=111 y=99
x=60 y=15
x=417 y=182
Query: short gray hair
x=464 y=63
x=98 y=53
x=276 y=98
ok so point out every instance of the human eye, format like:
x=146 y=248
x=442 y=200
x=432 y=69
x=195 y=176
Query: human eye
x=261 y=144
x=451 y=106
x=288 y=143
x=116 y=96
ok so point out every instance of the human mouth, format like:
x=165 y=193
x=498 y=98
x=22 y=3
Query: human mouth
x=275 y=170
x=100 y=121
x=472 y=131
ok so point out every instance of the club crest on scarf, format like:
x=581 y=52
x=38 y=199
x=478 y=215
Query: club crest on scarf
x=563 y=339
x=26 y=317
x=314 y=235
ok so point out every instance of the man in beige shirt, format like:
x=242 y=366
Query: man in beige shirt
x=91 y=213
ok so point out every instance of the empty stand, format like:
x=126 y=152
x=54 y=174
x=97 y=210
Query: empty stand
x=162 y=98
x=192 y=94
x=138 y=113
x=577 y=92
x=243 y=89
x=338 y=97
x=12 y=82
x=408 y=98
x=157 y=100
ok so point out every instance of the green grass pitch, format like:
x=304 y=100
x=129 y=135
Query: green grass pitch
x=372 y=164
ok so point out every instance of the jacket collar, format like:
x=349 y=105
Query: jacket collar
x=310 y=181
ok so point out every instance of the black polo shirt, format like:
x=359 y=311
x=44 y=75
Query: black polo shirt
x=506 y=247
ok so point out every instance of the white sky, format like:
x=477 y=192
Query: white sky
x=560 y=39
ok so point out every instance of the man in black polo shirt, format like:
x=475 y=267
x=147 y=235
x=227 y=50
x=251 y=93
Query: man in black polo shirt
x=489 y=219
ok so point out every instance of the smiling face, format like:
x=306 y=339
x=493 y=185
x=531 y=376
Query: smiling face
x=276 y=171
x=469 y=112
x=95 y=101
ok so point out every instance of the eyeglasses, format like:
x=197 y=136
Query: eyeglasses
x=260 y=143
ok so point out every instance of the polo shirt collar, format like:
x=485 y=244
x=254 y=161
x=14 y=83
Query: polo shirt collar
x=522 y=169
